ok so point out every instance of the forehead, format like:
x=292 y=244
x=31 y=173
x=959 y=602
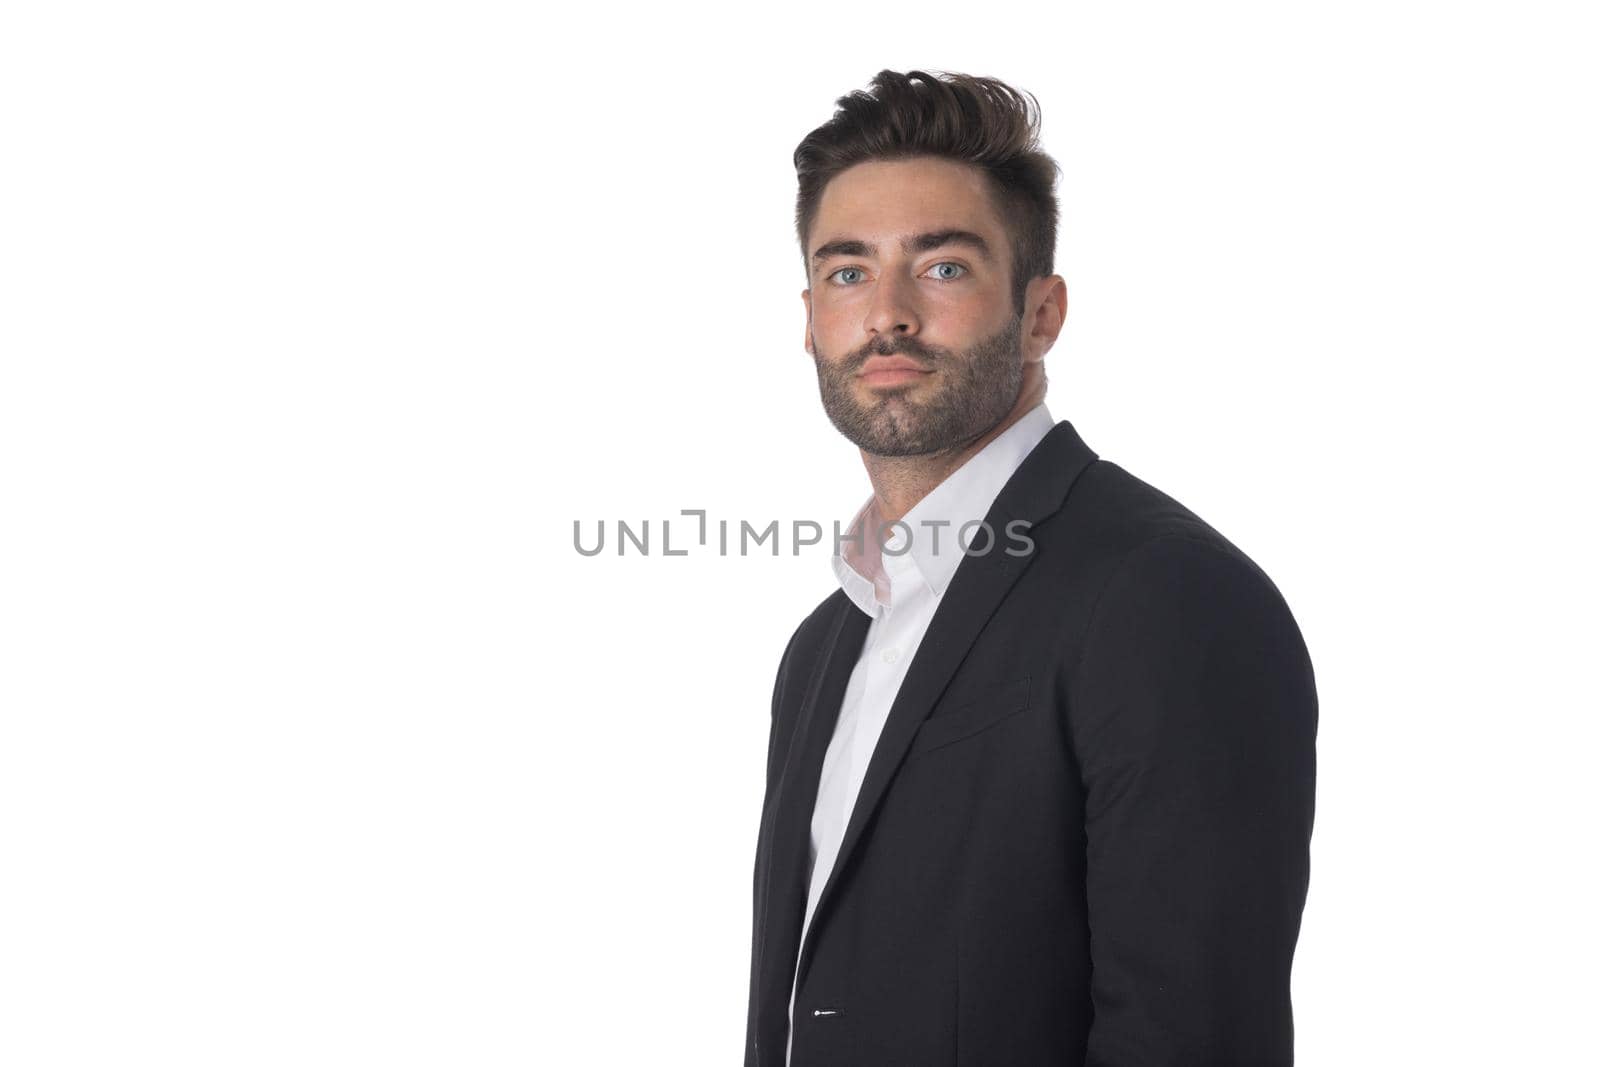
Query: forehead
x=885 y=198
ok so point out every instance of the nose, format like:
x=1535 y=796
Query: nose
x=894 y=306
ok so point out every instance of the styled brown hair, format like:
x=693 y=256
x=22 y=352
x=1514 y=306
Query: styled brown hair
x=980 y=121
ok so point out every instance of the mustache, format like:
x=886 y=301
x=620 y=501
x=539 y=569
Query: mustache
x=909 y=347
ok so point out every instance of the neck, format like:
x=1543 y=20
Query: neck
x=899 y=482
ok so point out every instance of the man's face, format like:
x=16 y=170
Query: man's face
x=909 y=314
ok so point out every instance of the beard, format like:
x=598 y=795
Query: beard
x=968 y=395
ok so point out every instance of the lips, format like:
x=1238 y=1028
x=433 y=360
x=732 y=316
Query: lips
x=884 y=364
x=886 y=371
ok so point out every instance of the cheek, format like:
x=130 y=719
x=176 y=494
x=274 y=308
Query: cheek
x=835 y=325
x=833 y=310
x=961 y=310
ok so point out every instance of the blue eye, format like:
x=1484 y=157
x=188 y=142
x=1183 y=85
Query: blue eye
x=949 y=277
x=845 y=270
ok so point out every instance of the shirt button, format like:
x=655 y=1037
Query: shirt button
x=891 y=655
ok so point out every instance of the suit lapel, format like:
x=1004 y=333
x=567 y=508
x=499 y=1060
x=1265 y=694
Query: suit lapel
x=1034 y=492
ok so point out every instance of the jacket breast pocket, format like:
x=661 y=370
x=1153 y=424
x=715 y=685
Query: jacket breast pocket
x=972 y=716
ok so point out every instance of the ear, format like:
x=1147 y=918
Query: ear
x=1047 y=313
x=805 y=298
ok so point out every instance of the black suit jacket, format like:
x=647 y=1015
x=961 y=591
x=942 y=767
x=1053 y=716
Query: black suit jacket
x=1083 y=837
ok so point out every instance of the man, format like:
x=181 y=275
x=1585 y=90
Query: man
x=1040 y=772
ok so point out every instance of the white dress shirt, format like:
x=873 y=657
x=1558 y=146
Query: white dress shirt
x=900 y=588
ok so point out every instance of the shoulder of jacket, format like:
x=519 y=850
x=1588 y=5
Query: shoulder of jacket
x=1114 y=516
x=808 y=635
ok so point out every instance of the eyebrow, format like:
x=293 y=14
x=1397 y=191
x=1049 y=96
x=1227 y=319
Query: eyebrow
x=922 y=242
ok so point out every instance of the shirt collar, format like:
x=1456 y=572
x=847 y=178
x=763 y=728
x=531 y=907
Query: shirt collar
x=932 y=527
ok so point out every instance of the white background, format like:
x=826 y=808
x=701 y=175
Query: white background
x=321 y=323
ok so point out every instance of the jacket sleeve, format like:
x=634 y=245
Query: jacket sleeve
x=1193 y=713
x=778 y=688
